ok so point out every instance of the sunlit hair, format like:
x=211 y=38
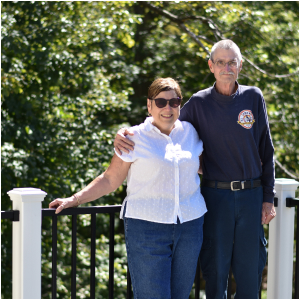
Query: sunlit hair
x=163 y=84
x=226 y=44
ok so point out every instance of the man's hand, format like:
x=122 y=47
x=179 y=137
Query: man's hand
x=268 y=213
x=122 y=143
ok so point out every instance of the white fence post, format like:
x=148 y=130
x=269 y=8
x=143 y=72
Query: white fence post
x=27 y=242
x=281 y=243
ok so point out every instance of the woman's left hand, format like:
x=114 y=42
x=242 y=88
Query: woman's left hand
x=62 y=203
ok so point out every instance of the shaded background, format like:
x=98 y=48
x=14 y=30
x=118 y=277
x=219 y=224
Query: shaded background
x=73 y=73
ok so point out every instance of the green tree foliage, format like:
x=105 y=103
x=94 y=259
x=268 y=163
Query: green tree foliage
x=60 y=107
x=72 y=73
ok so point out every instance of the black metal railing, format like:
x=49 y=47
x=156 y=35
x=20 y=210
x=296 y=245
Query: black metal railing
x=93 y=210
x=74 y=212
x=13 y=215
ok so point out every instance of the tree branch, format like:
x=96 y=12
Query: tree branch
x=204 y=38
x=285 y=170
x=193 y=36
x=176 y=20
x=268 y=74
x=217 y=32
x=162 y=12
x=212 y=24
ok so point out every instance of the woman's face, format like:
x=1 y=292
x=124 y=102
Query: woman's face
x=164 y=118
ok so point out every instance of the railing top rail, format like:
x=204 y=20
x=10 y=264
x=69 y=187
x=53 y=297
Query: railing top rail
x=50 y=212
x=13 y=215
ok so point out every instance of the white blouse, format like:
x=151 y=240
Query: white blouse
x=162 y=181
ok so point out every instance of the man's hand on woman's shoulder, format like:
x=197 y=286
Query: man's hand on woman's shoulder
x=122 y=143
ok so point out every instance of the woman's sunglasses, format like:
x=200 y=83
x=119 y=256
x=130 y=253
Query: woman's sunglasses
x=161 y=102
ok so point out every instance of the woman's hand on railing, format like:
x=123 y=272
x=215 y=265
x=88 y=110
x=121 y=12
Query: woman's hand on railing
x=62 y=203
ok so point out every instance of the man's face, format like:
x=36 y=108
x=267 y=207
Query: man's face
x=228 y=73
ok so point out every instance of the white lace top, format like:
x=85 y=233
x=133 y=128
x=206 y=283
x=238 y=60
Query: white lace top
x=162 y=182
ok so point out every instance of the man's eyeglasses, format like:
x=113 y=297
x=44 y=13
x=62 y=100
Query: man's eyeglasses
x=222 y=64
x=161 y=102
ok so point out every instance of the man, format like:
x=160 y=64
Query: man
x=238 y=175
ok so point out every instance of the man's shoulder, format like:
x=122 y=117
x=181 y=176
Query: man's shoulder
x=187 y=125
x=189 y=128
x=250 y=89
x=203 y=93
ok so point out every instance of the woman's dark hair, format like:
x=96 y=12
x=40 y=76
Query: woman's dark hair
x=163 y=84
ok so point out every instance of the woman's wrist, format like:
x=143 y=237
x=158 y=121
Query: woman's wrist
x=76 y=199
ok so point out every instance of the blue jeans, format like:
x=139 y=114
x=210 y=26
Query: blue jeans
x=162 y=258
x=233 y=236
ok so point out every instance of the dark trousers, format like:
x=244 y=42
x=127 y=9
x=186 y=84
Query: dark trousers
x=233 y=237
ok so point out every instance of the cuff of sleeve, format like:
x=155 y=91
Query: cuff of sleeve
x=124 y=157
x=269 y=198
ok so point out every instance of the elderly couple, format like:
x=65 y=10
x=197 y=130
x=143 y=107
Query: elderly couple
x=167 y=219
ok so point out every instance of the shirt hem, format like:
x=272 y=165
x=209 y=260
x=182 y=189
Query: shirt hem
x=148 y=220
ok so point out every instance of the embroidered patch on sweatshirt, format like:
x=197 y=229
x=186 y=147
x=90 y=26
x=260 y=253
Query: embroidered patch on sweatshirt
x=246 y=119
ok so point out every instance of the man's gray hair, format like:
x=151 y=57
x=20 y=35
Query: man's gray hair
x=226 y=44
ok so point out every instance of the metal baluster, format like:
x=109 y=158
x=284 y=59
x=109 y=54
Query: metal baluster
x=129 y=291
x=197 y=281
x=259 y=296
x=54 y=256
x=93 y=256
x=229 y=288
x=74 y=244
x=111 y=255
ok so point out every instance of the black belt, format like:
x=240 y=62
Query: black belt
x=233 y=185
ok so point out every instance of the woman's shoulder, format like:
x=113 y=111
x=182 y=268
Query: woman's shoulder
x=188 y=126
x=137 y=130
x=190 y=130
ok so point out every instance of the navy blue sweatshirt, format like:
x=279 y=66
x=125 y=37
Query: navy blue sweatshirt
x=235 y=134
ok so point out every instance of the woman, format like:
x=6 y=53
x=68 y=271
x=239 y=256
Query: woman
x=163 y=211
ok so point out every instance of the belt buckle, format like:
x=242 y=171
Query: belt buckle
x=232 y=182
